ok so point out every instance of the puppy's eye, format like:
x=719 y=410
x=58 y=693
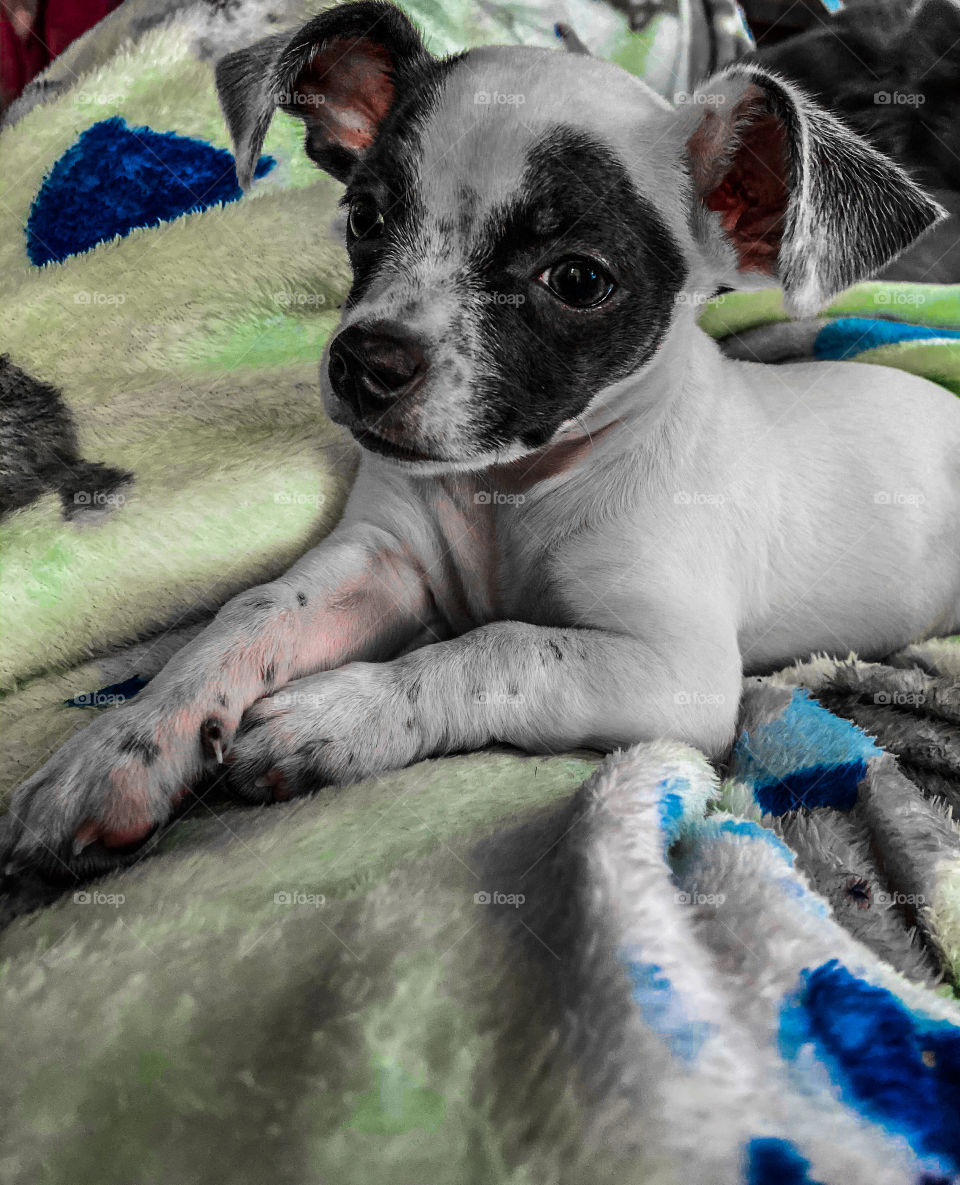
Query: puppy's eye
x=364 y=220
x=578 y=281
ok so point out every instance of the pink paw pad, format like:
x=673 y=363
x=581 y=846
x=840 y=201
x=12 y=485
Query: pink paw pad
x=274 y=778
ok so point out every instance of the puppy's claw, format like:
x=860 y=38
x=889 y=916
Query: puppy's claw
x=211 y=738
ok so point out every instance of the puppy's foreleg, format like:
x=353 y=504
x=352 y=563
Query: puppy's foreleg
x=543 y=688
x=540 y=688
x=359 y=595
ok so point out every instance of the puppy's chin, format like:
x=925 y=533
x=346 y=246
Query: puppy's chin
x=411 y=453
x=416 y=457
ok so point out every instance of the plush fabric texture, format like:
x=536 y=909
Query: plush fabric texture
x=490 y=968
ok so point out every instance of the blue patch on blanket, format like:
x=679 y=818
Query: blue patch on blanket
x=671 y=808
x=663 y=1009
x=898 y=1068
x=776 y=1162
x=846 y=337
x=114 y=178
x=107 y=697
x=805 y=757
x=751 y=830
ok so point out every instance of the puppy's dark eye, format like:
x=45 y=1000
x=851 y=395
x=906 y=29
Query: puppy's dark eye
x=578 y=281
x=364 y=220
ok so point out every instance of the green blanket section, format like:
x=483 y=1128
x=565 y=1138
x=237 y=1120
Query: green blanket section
x=312 y=992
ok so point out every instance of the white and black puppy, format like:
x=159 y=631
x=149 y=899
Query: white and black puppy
x=575 y=522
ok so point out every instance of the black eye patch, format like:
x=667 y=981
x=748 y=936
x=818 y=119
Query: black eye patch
x=576 y=199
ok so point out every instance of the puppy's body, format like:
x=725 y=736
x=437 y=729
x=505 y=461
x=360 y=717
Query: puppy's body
x=575 y=522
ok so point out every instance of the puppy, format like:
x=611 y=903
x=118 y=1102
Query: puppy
x=575 y=523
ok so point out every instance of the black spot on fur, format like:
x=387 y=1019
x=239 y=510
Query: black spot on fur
x=858 y=890
x=301 y=598
x=141 y=747
x=386 y=174
x=222 y=700
x=576 y=198
x=269 y=674
x=557 y=652
x=39 y=452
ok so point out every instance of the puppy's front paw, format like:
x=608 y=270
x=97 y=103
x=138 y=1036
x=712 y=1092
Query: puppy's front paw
x=100 y=796
x=329 y=729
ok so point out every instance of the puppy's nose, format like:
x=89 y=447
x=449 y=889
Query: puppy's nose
x=372 y=366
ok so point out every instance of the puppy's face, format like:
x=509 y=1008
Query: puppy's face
x=521 y=221
x=508 y=265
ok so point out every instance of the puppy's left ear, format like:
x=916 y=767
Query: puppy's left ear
x=341 y=73
x=785 y=193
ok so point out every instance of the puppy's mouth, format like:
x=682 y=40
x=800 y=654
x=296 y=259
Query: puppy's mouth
x=377 y=442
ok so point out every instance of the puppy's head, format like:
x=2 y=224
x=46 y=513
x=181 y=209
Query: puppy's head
x=523 y=224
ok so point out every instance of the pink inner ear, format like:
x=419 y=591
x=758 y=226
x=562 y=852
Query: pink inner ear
x=346 y=91
x=751 y=194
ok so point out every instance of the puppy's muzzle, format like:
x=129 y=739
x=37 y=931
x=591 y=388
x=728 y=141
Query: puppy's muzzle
x=373 y=366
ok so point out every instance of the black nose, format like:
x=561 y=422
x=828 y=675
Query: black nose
x=372 y=366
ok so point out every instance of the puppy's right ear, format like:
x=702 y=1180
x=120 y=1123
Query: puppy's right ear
x=341 y=74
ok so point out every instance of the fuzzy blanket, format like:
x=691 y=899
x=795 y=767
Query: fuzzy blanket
x=494 y=968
